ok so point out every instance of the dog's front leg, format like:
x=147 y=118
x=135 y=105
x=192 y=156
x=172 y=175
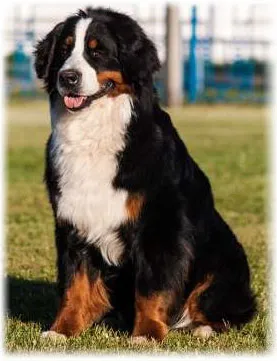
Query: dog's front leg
x=156 y=289
x=84 y=302
x=162 y=257
x=84 y=298
x=151 y=320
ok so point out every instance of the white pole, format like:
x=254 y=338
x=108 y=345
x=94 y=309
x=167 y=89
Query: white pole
x=174 y=66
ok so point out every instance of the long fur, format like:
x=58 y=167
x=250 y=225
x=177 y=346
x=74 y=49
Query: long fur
x=129 y=202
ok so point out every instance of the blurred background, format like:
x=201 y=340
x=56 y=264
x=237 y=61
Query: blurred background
x=209 y=53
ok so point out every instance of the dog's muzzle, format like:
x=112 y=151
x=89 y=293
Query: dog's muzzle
x=76 y=102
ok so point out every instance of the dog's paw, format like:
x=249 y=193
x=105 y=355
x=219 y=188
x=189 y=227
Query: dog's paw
x=203 y=332
x=139 y=340
x=53 y=336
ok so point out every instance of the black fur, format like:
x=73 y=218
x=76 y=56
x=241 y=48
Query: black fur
x=179 y=237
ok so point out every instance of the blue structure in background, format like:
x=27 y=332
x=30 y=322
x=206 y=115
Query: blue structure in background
x=22 y=71
x=242 y=72
x=21 y=65
x=192 y=66
x=202 y=82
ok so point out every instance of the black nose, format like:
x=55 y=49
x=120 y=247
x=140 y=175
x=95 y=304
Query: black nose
x=69 y=78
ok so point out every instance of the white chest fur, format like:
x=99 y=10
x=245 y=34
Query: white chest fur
x=84 y=147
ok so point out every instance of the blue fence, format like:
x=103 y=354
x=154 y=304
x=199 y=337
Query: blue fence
x=20 y=74
x=235 y=83
x=238 y=80
x=206 y=81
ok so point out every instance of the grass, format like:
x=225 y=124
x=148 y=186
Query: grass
x=229 y=143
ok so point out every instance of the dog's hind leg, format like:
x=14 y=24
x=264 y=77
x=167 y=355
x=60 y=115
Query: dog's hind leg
x=194 y=316
x=216 y=304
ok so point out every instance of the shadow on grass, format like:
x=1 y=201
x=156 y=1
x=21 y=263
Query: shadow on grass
x=31 y=300
x=37 y=301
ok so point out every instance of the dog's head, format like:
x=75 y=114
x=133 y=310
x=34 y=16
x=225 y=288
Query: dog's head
x=94 y=53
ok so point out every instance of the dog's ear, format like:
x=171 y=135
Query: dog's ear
x=140 y=59
x=44 y=52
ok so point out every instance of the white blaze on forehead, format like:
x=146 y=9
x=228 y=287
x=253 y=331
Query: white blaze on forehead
x=76 y=61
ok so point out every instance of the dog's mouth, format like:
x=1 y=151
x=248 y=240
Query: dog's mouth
x=76 y=102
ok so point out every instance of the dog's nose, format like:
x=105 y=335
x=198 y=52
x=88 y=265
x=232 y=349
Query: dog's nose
x=69 y=78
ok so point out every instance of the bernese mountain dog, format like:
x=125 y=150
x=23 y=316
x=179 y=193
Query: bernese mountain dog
x=138 y=238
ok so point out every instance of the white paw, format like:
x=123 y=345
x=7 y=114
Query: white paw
x=52 y=335
x=139 y=340
x=203 y=331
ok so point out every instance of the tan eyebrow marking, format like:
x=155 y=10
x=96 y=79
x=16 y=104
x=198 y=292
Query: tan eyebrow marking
x=92 y=43
x=69 y=40
x=120 y=85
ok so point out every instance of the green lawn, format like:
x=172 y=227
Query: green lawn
x=229 y=142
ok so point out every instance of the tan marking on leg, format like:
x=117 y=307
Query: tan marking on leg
x=120 y=86
x=196 y=315
x=134 y=204
x=83 y=303
x=151 y=316
x=192 y=302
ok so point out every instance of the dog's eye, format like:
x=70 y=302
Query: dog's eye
x=67 y=45
x=68 y=41
x=95 y=53
x=93 y=47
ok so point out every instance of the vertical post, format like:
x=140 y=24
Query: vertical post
x=192 y=59
x=251 y=23
x=31 y=40
x=252 y=49
x=174 y=73
x=211 y=29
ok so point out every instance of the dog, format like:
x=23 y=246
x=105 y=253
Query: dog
x=139 y=240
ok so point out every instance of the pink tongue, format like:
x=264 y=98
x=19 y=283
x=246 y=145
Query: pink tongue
x=74 y=102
